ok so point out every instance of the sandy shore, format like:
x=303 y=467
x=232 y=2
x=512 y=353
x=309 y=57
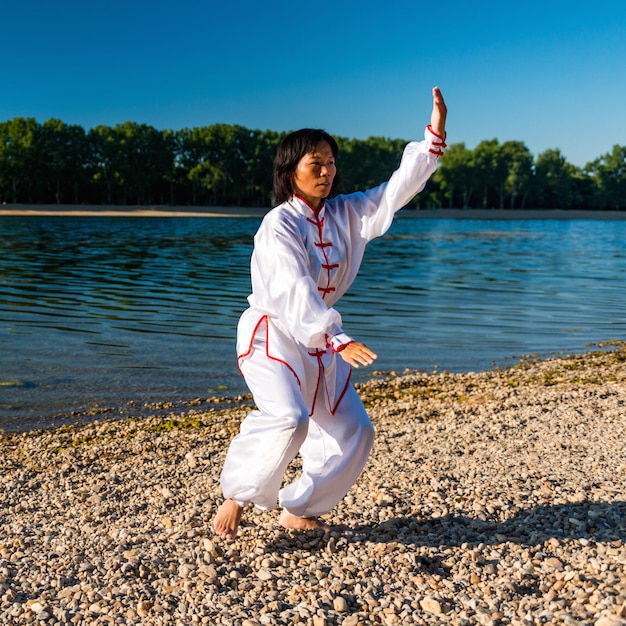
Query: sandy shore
x=257 y=212
x=489 y=498
x=70 y=210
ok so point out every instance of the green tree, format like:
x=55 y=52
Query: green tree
x=609 y=174
x=230 y=148
x=171 y=171
x=457 y=174
x=19 y=153
x=490 y=169
x=64 y=154
x=5 y=175
x=229 y=164
x=144 y=161
x=367 y=163
x=519 y=171
x=106 y=161
x=259 y=159
x=557 y=182
x=196 y=163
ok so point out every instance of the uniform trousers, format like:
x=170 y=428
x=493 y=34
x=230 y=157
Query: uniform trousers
x=334 y=447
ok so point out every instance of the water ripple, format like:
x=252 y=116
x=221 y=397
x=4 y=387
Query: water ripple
x=110 y=310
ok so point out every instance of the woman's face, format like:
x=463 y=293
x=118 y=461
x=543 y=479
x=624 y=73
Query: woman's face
x=314 y=175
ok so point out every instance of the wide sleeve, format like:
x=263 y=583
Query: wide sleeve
x=282 y=285
x=378 y=206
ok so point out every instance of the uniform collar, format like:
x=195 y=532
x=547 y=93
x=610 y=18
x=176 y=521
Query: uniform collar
x=317 y=214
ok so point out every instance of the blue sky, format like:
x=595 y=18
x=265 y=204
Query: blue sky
x=550 y=74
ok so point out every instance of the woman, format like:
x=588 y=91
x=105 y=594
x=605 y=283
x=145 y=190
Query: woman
x=292 y=350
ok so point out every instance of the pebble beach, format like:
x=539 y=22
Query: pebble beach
x=490 y=498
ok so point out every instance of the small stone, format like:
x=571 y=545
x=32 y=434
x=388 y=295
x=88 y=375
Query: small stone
x=264 y=574
x=36 y=607
x=340 y=604
x=331 y=546
x=144 y=607
x=431 y=605
x=371 y=600
x=185 y=570
x=610 y=620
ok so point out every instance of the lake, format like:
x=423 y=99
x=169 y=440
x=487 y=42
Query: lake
x=118 y=312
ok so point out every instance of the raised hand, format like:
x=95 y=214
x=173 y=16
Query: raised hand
x=438 y=116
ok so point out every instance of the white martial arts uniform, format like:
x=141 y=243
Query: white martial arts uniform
x=287 y=344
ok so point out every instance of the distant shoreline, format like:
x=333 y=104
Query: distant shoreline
x=70 y=210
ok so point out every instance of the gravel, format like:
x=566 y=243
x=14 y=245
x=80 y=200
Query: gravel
x=490 y=498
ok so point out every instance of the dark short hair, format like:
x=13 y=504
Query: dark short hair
x=290 y=150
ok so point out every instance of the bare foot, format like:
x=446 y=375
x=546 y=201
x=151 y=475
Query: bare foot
x=287 y=520
x=227 y=518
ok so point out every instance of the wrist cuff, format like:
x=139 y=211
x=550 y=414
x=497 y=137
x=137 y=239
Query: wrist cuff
x=339 y=342
x=437 y=143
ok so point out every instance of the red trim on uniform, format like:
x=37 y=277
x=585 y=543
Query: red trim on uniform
x=249 y=350
x=341 y=347
x=320 y=369
x=267 y=349
x=318 y=354
x=320 y=376
x=430 y=129
x=341 y=395
x=438 y=145
x=322 y=245
x=308 y=204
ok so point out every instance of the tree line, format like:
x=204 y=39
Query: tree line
x=230 y=165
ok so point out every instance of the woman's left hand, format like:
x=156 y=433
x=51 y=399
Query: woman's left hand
x=357 y=354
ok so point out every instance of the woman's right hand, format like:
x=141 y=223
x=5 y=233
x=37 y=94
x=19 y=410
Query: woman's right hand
x=439 y=114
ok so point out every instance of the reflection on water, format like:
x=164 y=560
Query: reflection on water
x=103 y=311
